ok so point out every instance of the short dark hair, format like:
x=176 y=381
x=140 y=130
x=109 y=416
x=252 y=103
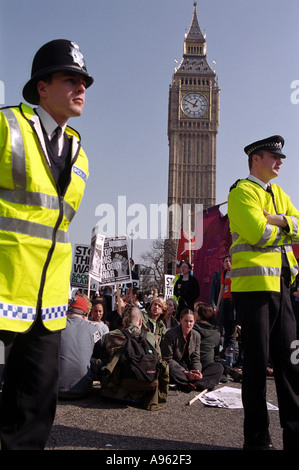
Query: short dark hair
x=206 y=312
x=260 y=153
x=44 y=78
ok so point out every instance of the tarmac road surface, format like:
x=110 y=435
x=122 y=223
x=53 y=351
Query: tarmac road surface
x=95 y=423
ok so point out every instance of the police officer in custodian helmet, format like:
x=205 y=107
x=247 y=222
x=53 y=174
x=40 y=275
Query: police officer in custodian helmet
x=43 y=172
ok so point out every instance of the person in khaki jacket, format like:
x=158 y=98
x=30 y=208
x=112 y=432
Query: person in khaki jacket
x=151 y=396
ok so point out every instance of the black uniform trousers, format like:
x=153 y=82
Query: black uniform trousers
x=30 y=387
x=268 y=332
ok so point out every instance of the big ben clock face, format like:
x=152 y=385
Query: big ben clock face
x=194 y=105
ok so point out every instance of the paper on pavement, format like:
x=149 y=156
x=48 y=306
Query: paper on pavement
x=227 y=397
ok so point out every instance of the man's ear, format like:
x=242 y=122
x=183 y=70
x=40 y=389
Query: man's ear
x=41 y=87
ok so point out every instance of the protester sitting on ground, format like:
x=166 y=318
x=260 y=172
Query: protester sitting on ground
x=114 y=318
x=117 y=381
x=210 y=344
x=152 y=320
x=180 y=348
x=80 y=342
x=98 y=317
x=169 y=316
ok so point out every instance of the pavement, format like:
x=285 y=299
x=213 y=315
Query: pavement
x=96 y=423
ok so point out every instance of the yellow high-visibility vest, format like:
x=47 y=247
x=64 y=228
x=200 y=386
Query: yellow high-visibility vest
x=35 y=252
x=257 y=246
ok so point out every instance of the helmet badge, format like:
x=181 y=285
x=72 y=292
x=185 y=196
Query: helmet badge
x=77 y=55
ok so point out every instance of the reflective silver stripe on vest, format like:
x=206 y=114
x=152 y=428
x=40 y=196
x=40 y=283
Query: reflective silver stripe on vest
x=294 y=270
x=255 y=271
x=36 y=199
x=260 y=271
x=235 y=236
x=266 y=235
x=250 y=248
x=32 y=229
x=18 y=159
x=295 y=225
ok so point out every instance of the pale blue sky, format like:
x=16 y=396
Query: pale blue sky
x=130 y=47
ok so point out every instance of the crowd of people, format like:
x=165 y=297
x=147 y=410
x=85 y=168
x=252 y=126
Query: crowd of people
x=199 y=343
x=186 y=334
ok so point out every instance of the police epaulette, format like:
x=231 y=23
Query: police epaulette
x=233 y=186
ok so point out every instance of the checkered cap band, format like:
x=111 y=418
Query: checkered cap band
x=272 y=145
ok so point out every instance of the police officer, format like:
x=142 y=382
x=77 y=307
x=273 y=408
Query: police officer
x=264 y=224
x=43 y=171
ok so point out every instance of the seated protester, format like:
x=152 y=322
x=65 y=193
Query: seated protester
x=180 y=348
x=205 y=317
x=169 y=317
x=118 y=378
x=97 y=317
x=152 y=320
x=80 y=342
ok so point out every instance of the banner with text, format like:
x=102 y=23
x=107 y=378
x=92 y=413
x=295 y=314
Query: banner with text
x=80 y=267
x=96 y=255
x=115 y=262
x=169 y=281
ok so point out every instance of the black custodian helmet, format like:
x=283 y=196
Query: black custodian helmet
x=55 y=56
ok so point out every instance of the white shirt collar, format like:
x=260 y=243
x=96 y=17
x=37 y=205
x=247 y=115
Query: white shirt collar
x=50 y=125
x=48 y=122
x=258 y=181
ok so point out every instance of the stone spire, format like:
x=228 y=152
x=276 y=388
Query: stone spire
x=194 y=33
x=194 y=58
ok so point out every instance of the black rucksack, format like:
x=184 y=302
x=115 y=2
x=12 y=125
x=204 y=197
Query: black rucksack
x=139 y=359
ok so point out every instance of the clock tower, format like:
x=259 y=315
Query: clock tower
x=193 y=119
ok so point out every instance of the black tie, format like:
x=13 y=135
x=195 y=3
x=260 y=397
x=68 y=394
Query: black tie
x=54 y=140
x=285 y=272
x=269 y=190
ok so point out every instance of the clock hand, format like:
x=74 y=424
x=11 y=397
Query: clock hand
x=193 y=104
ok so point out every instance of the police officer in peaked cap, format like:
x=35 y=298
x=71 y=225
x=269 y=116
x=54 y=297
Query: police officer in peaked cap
x=273 y=144
x=264 y=224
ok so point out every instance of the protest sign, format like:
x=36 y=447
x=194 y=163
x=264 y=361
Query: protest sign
x=115 y=262
x=96 y=255
x=80 y=268
x=169 y=281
